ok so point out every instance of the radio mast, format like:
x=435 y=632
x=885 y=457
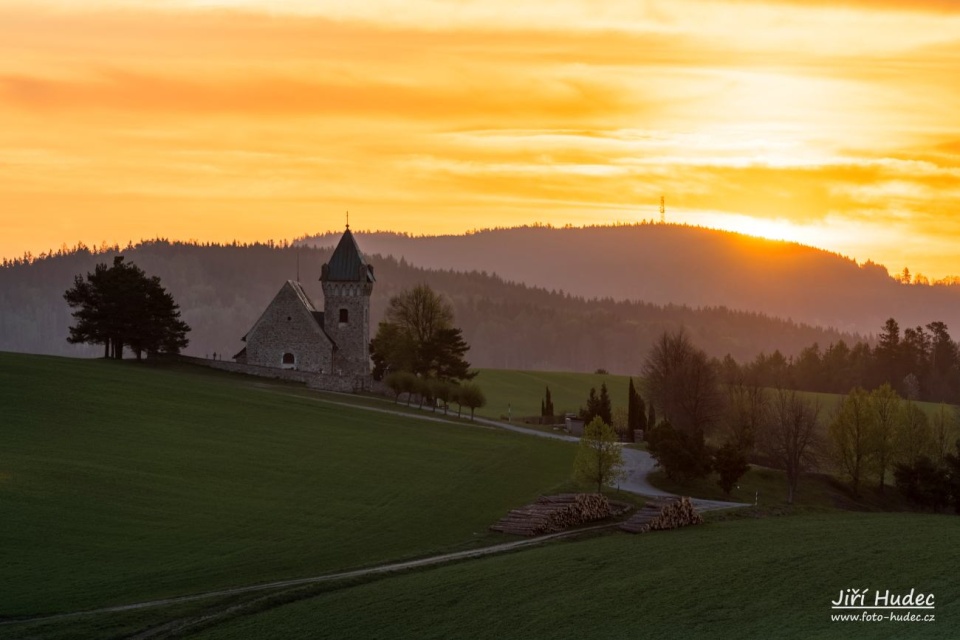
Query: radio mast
x=663 y=212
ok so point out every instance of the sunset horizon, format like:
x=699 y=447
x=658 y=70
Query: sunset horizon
x=830 y=126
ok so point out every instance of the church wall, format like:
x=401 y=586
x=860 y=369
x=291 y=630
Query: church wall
x=326 y=382
x=288 y=327
x=352 y=337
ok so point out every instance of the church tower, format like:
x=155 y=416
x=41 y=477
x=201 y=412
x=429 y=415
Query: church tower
x=347 y=284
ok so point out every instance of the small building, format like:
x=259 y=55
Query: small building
x=292 y=333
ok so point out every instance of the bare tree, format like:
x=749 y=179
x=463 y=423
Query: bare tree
x=746 y=409
x=683 y=384
x=790 y=436
x=420 y=312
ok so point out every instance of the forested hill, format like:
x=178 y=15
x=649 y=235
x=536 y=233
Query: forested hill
x=683 y=265
x=223 y=289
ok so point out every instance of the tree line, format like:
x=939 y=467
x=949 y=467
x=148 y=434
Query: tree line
x=919 y=363
x=718 y=418
x=222 y=289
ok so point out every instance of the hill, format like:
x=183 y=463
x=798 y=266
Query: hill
x=223 y=289
x=771 y=578
x=674 y=264
x=121 y=483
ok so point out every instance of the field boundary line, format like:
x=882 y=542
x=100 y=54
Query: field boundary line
x=329 y=577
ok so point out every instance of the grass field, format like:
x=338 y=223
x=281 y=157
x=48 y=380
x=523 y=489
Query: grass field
x=121 y=482
x=520 y=392
x=770 y=578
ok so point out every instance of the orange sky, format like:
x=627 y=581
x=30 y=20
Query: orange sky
x=836 y=123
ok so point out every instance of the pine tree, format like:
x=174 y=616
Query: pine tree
x=605 y=407
x=651 y=422
x=122 y=307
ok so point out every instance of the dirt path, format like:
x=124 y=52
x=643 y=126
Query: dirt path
x=329 y=577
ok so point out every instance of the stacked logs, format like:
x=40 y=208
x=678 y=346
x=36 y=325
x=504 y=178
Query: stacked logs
x=556 y=513
x=659 y=516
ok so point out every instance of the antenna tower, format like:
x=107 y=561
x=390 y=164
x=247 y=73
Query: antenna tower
x=663 y=212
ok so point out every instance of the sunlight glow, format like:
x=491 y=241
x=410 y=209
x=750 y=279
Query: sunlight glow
x=833 y=126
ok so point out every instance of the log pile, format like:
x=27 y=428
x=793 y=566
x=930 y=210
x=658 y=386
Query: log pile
x=556 y=513
x=662 y=515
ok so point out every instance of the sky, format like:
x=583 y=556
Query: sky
x=834 y=124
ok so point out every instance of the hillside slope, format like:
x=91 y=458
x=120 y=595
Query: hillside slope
x=223 y=289
x=673 y=264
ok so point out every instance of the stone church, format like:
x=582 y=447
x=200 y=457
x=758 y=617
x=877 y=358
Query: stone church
x=334 y=343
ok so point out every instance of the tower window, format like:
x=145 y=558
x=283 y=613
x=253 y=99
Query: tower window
x=344 y=316
x=288 y=358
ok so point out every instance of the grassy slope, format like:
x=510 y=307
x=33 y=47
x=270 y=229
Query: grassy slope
x=121 y=483
x=771 y=578
x=522 y=391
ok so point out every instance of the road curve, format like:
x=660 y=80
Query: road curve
x=637 y=466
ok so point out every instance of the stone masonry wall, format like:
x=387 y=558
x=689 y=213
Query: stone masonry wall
x=353 y=337
x=323 y=382
x=288 y=326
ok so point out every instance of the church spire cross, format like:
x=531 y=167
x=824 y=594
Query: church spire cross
x=348 y=221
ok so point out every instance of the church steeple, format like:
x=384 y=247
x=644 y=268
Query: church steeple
x=347 y=263
x=347 y=284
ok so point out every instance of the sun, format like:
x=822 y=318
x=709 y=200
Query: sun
x=767 y=228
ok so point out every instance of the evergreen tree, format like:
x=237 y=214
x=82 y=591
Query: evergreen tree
x=651 y=421
x=592 y=410
x=604 y=406
x=122 y=307
x=546 y=405
x=636 y=410
x=730 y=464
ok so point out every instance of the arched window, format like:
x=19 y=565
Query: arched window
x=289 y=359
x=344 y=316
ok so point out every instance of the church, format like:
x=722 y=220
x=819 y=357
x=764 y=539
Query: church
x=293 y=334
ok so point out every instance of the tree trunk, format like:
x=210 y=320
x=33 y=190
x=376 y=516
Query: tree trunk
x=106 y=349
x=471 y=414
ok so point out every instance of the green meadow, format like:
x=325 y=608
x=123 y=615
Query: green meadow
x=768 y=578
x=122 y=482
x=520 y=392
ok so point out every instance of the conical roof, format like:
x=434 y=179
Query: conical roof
x=347 y=263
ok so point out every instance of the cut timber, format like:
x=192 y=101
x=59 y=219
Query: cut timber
x=659 y=515
x=556 y=513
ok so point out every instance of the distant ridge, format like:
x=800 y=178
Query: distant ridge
x=666 y=263
x=223 y=289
